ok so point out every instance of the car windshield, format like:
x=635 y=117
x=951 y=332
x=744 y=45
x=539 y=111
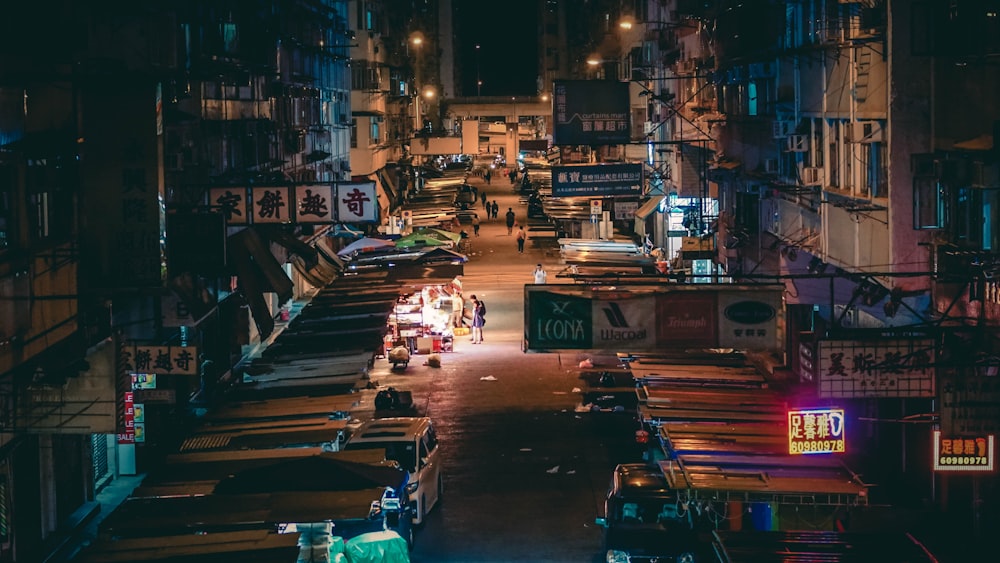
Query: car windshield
x=657 y=510
x=401 y=452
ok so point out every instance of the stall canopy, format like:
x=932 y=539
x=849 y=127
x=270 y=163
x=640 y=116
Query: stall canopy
x=419 y=239
x=365 y=244
x=323 y=472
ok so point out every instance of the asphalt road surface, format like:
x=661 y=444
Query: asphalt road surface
x=525 y=473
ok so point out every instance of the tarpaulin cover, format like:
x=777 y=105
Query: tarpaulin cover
x=377 y=547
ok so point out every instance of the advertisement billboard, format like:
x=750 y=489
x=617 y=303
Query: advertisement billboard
x=597 y=180
x=591 y=112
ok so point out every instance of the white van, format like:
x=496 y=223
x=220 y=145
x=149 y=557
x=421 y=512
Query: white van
x=412 y=442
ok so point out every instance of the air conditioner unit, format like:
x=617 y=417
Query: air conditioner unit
x=812 y=176
x=865 y=132
x=782 y=128
x=797 y=143
x=771 y=165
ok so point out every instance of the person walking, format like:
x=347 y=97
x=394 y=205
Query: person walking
x=486 y=203
x=513 y=175
x=478 y=320
x=488 y=175
x=522 y=236
x=475 y=224
x=496 y=209
x=540 y=274
x=510 y=220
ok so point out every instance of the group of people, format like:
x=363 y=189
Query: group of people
x=492 y=208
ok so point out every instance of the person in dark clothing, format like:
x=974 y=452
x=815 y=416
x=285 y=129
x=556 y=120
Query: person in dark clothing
x=496 y=209
x=486 y=204
x=487 y=176
x=510 y=220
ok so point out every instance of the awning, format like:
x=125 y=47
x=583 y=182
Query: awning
x=296 y=246
x=258 y=272
x=649 y=207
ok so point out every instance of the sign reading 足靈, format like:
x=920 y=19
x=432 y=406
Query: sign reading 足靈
x=816 y=431
x=957 y=453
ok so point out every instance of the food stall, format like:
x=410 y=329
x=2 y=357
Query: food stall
x=422 y=320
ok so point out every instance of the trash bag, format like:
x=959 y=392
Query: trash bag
x=387 y=399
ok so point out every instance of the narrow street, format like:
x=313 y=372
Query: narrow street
x=524 y=473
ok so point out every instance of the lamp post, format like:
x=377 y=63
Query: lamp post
x=479 y=80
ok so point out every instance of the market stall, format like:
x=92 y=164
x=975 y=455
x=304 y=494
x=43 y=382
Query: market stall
x=424 y=321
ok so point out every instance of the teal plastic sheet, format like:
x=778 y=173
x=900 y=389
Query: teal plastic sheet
x=377 y=547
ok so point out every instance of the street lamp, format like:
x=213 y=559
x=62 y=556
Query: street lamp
x=479 y=81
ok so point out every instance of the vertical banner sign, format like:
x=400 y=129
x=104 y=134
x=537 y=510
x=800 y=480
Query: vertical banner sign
x=122 y=173
x=124 y=367
x=357 y=203
x=314 y=204
x=816 y=431
x=973 y=453
x=127 y=434
x=232 y=203
x=591 y=112
x=271 y=204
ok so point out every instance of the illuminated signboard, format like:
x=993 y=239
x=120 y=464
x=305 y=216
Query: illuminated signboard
x=963 y=454
x=816 y=431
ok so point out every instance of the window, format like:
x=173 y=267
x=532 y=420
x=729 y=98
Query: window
x=354 y=133
x=50 y=202
x=928 y=208
x=374 y=132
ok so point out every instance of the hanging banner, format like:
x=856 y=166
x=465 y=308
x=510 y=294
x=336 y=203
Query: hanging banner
x=357 y=202
x=591 y=112
x=597 y=180
x=166 y=360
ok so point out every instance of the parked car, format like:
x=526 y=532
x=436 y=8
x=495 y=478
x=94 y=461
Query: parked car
x=411 y=442
x=645 y=520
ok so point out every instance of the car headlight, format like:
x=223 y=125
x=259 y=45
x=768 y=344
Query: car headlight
x=615 y=556
x=412 y=487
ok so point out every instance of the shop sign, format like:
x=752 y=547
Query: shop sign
x=626 y=323
x=156 y=396
x=591 y=112
x=852 y=369
x=357 y=202
x=816 y=431
x=597 y=180
x=165 y=360
x=271 y=204
x=232 y=203
x=314 y=204
x=970 y=403
x=954 y=453
x=143 y=381
x=559 y=321
x=139 y=424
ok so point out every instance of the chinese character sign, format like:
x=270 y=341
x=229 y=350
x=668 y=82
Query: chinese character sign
x=816 y=431
x=596 y=180
x=958 y=453
x=314 y=204
x=271 y=204
x=232 y=203
x=357 y=202
x=591 y=112
x=887 y=368
x=166 y=360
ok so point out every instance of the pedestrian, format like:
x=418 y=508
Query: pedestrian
x=540 y=274
x=521 y=237
x=496 y=209
x=475 y=224
x=486 y=203
x=510 y=220
x=478 y=320
x=457 y=309
x=513 y=175
x=489 y=174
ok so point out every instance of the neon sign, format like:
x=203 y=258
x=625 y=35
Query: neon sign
x=816 y=431
x=963 y=454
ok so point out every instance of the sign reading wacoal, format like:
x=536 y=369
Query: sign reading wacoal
x=975 y=453
x=816 y=431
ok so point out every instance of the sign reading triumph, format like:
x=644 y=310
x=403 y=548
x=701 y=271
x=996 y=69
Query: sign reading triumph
x=590 y=112
x=645 y=318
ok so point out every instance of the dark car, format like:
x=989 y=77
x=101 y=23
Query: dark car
x=645 y=521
